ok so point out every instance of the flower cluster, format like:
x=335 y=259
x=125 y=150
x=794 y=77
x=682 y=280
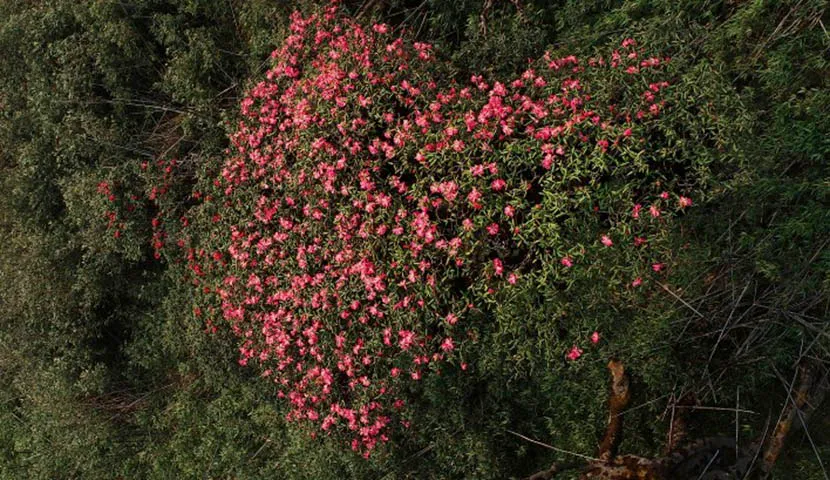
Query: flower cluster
x=369 y=206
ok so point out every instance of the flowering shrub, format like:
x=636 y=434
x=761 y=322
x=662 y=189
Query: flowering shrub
x=369 y=208
x=371 y=211
x=147 y=201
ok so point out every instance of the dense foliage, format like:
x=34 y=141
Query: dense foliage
x=365 y=216
x=421 y=236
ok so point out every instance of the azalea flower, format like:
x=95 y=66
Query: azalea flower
x=498 y=267
x=606 y=240
x=574 y=353
x=635 y=212
x=654 y=211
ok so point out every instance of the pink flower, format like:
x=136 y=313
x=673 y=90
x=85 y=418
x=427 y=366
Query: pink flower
x=657 y=267
x=498 y=267
x=637 y=282
x=606 y=240
x=566 y=261
x=595 y=338
x=684 y=202
x=448 y=189
x=447 y=345
x=512 y=279
x=654 y=109
x=498 y=89
x=509 y=211
x=654 y=211
x=664 y=195
x=574 y=353
x=635 y=212
x=473 y=197
x=498 y=185
x=451 y=318
x=493 y=229
x=406 y=339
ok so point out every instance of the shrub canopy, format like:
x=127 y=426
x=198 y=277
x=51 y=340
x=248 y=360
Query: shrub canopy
x=372 y=214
